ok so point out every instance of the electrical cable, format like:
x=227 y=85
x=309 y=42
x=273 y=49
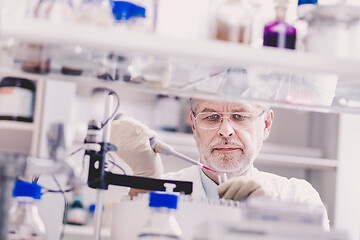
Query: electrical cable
x=65 y=207
x=103 y=124
x=76 y=151
x=116 y=165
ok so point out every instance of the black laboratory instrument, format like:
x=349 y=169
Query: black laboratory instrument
x=99 y=178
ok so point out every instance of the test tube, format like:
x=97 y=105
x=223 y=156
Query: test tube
x=222 y=177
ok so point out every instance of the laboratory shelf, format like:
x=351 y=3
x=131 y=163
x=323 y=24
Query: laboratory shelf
x=296 y=161
x=83 y=232
x=16 y=126
x=89 y=82
x=229 y=54
x=271 y=154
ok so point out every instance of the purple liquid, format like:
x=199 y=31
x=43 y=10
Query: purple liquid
x=279 y=34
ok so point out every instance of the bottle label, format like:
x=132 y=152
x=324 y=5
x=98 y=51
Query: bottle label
x=15 y=101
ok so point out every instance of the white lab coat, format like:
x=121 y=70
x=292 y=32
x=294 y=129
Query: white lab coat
x=287 y=190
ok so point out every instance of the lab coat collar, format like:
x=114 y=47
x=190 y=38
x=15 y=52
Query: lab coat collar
x=210 y=187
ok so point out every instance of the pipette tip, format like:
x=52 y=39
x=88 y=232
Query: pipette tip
x=207 y=168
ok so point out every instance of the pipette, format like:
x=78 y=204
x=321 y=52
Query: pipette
x=163 y=148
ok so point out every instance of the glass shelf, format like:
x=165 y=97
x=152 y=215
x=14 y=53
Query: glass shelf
x=329 y=84
x=16 y=126
x=226 y=53
x=271 y=154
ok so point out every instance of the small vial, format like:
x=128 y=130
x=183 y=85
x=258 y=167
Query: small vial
x=222 y=177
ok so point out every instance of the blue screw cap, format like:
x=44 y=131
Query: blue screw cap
x=300 y=2
x=25 y=189
x=163 y=200
x=125 y=10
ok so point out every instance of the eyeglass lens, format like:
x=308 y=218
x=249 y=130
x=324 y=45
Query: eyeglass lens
x=212 y=120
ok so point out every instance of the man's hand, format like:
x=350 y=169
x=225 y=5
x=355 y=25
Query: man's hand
x=242 y=187
x=131 y=138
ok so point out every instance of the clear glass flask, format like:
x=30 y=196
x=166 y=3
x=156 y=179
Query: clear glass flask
x=162 y=223
x=25 y=222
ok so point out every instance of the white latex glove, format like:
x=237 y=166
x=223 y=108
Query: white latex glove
x=242 y=187
x=131 y=138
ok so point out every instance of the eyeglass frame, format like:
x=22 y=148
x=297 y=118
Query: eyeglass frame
x=222 y=118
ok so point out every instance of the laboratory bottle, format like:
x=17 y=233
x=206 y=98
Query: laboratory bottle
x=304 y=13
x=76 y=213
x=279 y=33
x=305 y=7
x=162 y=223
x=25 y=222
x=135 y=15
x=233 y=21
x=17 y=99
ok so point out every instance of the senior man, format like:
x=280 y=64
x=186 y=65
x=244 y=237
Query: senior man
x=229 y=137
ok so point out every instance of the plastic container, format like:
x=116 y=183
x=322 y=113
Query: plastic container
x=304 y=11
x=25 y=222
x=305 y=7
x=279 y=33
x=162 y=223
x=17 y=99
x=334 y=30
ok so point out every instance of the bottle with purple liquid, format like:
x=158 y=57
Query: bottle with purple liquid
x=279 y=33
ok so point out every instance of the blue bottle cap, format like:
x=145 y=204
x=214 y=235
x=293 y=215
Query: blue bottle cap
x=125 y=10
x=163 y=200
x=25 y=189
x=300 y=2
x=92 y=208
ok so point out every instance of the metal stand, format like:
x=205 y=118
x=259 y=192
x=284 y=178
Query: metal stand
x=11 y=166
x=100 y=193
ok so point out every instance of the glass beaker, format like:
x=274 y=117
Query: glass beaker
x=233 y=20
x=329 y=30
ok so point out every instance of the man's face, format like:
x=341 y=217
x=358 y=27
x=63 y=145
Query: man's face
x=230 y=148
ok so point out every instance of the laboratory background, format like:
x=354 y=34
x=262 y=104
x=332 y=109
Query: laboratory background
x=68 y=68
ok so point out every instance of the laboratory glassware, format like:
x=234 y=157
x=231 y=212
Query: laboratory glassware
x=304 y=11
x=162 y=223
x=94 y=12
x=233 y=21
x=279 y=33
x=76 y=214
x=25 y=221
x=305 y=7
x=334 y=30
x=139 y=15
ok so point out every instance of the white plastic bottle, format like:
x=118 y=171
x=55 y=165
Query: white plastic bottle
x=305 y=7
x=304 y=10
x=25 y=222
x=162 y=224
